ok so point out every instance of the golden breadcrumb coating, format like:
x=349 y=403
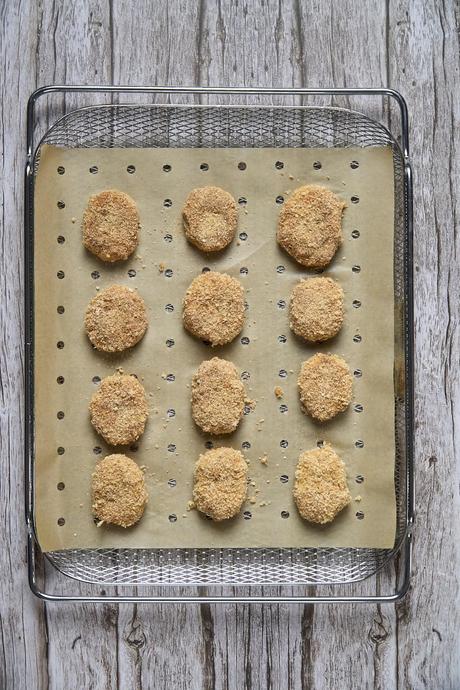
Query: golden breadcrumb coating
x=116 y=319
x=316 y=309
x=119 y=409
x=210 y=218
x=320 y=487
x=218 y=397
x=220 y=483
x=111 y=225
x=213 y=308
x=118 y=491
x=310 y=225
x=325 y=386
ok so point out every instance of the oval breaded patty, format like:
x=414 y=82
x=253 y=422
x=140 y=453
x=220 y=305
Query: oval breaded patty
x=217 y=397
x=325 y=386
x=310 y=225
x=213 y=308
x=119 y=495
x=320 y=487
x=118 y=409
x=220 y=483
x=116 y=319
x=111 y=225
x=210 y=218
x=316 y=309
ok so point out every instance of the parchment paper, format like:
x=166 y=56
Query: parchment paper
x=260 y=183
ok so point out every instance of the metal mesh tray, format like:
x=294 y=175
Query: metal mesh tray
x=220 y=126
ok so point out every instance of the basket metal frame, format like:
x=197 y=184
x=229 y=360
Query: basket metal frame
x=34 y=555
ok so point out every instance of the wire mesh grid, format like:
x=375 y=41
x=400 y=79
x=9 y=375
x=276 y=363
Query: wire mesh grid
x=110 y=126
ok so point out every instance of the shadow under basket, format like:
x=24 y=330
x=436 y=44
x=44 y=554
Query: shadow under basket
x=289 y=574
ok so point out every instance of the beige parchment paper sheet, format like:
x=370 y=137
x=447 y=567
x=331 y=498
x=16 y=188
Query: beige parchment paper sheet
x=268 y=281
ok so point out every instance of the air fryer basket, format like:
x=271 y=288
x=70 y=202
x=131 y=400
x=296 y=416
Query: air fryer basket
x=221 y=126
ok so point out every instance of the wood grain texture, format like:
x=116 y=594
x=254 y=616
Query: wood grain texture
x=22 y=624
x=431 y=80
x=410 y=45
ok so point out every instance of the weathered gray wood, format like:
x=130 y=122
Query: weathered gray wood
x=23 y=626
x=428 y=649
x=412 y=46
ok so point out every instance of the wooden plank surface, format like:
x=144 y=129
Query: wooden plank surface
x=412 y=46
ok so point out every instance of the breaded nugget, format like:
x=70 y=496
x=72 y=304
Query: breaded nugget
x=210 y=218
x=118 y=491
x=316 y=309
x=320 y=487
x=213 y=308
x=217 y=397
x=111 y=225
x=119 y=409
x=116 y=319
x=220 y=483
x=310 y=225
x=325 y=386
